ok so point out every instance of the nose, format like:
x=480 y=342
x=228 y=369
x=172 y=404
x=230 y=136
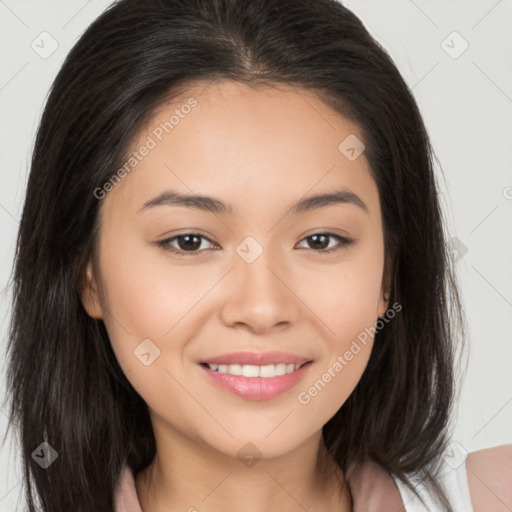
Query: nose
x=259 y=295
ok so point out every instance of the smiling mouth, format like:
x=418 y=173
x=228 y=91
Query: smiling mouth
x=252 y=371
x=254 y=382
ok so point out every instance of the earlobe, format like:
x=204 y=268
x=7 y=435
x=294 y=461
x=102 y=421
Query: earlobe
x=89 y=292
x=385 y=290
x=383 y=304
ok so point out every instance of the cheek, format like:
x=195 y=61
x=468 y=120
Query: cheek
x=137 y=301
x=153 y=307
x=345 y=296
x=328 y=388
x=346 y=304
x=148 y=295
x=349 y=319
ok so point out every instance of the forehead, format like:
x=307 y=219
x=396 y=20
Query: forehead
x=231 y=140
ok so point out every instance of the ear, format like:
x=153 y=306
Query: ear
x=385 y=289
x=89 y=292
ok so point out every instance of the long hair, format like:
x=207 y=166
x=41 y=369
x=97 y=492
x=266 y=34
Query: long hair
x=64 y=382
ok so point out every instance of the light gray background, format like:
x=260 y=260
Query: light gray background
x=467 y=106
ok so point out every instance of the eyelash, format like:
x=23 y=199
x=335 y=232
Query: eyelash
x=164 y=244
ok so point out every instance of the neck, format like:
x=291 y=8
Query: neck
x=186 y=475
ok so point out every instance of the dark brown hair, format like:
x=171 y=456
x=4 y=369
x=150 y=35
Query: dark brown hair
x=64 y=381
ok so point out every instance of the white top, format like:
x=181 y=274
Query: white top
x=455 y=483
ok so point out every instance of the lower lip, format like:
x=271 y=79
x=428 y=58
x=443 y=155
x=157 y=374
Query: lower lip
x=257 y=388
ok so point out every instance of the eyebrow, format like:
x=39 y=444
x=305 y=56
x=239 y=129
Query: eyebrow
x=214 y=205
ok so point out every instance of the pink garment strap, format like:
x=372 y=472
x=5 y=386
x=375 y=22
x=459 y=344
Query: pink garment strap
x=126 y=499
x=374 y=490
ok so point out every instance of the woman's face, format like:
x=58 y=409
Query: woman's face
x=254 y=278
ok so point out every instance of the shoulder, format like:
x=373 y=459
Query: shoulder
x=489 y=473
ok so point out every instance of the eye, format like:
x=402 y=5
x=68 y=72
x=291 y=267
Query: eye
x=319 y=241
x=190 y=243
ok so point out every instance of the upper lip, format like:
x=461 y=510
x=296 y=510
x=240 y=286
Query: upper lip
x=257 y=358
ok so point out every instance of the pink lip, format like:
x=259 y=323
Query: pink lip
x=258 y=359
x=257 y=388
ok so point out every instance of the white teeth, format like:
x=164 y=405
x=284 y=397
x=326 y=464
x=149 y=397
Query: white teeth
x=235 y=369
x=250 y=370
x=267 y=371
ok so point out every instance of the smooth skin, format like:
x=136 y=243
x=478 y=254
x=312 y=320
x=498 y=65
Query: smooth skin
x=260 y=150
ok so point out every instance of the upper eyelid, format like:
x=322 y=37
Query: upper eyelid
x=167 y=240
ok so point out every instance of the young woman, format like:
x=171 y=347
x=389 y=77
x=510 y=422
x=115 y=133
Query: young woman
x=232 y=289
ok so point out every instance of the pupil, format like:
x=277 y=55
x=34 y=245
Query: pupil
x=315 y=238
x=187 y=245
